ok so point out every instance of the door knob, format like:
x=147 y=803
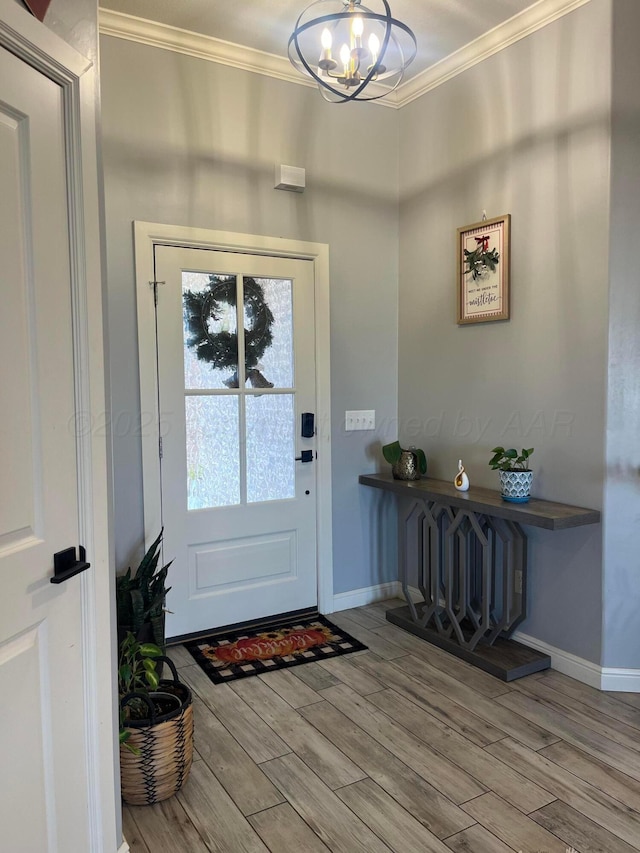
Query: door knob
x=305 y=456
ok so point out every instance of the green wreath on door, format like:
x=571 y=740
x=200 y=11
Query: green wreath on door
x=220 y=349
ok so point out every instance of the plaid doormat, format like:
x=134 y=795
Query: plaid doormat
x=239 y=654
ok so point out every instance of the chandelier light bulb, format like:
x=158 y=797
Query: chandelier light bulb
x=374 y=47
x=345 y=57
x=357 y=28
x=326 y=64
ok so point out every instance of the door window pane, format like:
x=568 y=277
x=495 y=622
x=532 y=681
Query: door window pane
x=268 y=323
x=213 y=451
x=210 y=331
x=270 y=447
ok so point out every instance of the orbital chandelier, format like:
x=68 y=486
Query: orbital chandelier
x=346 y=47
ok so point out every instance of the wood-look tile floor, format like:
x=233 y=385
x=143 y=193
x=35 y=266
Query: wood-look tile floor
x=400 y=748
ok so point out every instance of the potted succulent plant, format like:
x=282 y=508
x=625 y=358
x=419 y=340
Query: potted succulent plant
x=515 y=474
x=140 y=599
x=156 y=725
x=408 y=464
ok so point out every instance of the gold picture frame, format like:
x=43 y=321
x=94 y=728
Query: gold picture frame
x=483 y=268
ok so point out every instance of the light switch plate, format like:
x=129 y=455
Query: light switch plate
x=360 y=420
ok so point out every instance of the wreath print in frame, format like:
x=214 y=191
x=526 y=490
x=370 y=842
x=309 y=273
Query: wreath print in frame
x=483 y=271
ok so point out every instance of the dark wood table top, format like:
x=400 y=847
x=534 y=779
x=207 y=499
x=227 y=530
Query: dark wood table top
x=537 y=513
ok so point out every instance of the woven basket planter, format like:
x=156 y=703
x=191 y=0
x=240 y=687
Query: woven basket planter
x=166 y=749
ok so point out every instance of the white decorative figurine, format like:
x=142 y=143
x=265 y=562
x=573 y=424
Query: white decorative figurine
x=461 y=481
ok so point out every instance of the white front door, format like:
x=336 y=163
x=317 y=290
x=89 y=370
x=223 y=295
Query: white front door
x=43 y=735
x=236 y=373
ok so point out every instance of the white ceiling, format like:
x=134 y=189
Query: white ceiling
x=441 y=26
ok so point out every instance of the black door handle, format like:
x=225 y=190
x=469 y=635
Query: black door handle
x=65 y=565
x=305 y=456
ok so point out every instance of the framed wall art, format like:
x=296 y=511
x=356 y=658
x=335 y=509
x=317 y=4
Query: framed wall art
x=483 y=270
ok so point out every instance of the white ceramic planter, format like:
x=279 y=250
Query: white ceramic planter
x=516 y=486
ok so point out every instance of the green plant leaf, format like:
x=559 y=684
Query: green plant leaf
x=391 y=452
x=137 y=605
x=145 y=576
x=510 y=460
x=129 y=643
x=422 y=461
x=150 y=650
x=148 y=557
x=157 y=627
x=156 y=587
x=124 y=673
x=145 y=579
x=153 y=679
x=155 y=607
x=124 y=739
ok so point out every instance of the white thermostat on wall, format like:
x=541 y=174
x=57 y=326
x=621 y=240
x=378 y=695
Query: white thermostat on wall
x=290 y=178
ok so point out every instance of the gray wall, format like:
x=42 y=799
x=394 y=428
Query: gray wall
x=529 y=132
x=525 y=132
x=622 y=496
x=75 y=21
x=189 y=142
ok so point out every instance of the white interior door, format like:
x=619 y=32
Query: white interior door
x=43 y=769
x=236 y=371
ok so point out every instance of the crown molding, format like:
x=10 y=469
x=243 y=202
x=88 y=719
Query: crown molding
x=129 y=27
x=493 y=41
x=154 y=34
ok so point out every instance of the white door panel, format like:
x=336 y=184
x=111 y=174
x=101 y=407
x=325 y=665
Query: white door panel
x=42 y=714
x=239 y=512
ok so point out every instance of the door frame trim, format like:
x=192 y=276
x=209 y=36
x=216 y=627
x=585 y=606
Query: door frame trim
x=146 y=236
x=36 y=45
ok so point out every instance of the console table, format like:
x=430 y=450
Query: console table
x=471 y=568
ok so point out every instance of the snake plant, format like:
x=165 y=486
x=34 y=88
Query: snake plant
x=141 y=597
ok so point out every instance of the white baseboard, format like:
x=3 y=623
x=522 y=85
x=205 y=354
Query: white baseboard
x=564 y=662
x=366 y=595
x=371 y=594
x=620 y=680
x=124 y=848
x=602 y=678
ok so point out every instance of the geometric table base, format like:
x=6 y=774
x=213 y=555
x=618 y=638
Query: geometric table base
x=506 y=659
x=470 y=568
x=466 y=555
